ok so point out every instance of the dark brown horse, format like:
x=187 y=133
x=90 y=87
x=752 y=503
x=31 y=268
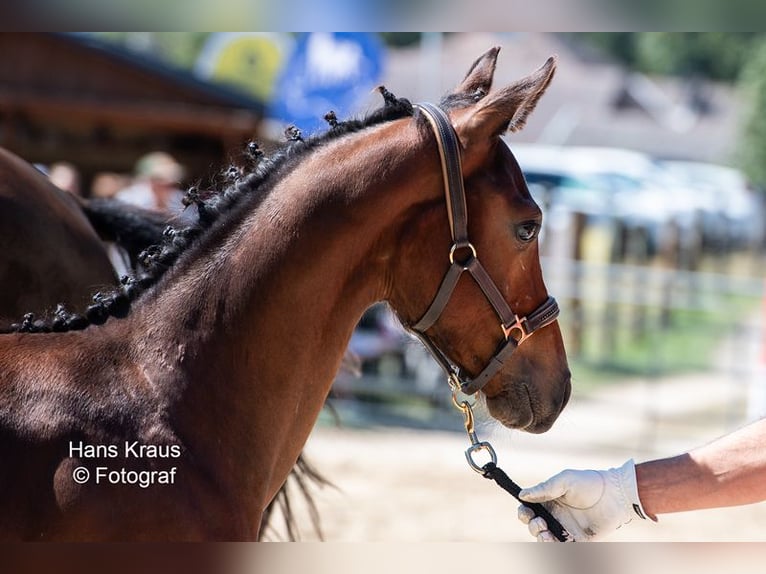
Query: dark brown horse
x=53 y=253
x=178 y=406
x=49 y=253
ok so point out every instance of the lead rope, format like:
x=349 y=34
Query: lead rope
x=491 y=471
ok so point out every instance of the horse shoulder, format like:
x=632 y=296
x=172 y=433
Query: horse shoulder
x=80 y=383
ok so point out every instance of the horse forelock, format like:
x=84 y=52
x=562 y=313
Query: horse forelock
x=241 y=189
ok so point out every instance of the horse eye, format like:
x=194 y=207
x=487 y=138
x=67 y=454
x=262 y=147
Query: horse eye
x=527 y=231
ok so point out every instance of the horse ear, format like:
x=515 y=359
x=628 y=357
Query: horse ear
x=479 y=76
x=508 y=109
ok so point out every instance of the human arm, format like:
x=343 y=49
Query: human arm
x=591 y=504
x=729 y=471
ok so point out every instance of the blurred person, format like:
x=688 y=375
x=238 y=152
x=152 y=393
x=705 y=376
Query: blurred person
x=156 y=186
x=591 y=504
x=107 y=185
x=65 y=176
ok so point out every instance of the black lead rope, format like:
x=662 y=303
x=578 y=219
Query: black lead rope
x=491 y=471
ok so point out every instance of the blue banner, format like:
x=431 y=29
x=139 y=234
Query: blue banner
x=326 y=71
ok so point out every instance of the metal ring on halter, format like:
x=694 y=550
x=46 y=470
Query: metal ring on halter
x=456 y=246
x=454 y=382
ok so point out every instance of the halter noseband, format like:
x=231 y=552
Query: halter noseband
x=515 y=329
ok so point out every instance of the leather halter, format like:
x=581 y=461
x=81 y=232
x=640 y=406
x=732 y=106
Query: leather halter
x=515 y=329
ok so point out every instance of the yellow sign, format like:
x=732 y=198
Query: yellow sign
x=247 y=60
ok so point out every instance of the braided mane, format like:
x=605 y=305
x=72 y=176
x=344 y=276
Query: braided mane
x=244 y=187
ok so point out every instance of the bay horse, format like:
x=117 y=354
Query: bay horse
x=49 y=252
x=52 y=252
x=175 y=406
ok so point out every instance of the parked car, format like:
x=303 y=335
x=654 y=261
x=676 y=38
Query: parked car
x=639 y=190
x=733 y=202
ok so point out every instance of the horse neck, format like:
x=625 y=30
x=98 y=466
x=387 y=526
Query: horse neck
x=258 y=328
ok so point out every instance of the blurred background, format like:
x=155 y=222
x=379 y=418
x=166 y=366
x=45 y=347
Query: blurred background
x=646 y=155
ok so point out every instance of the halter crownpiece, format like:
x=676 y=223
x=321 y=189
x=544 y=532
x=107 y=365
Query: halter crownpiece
x=515 y=329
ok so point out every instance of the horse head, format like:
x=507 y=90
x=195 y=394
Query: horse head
x=481 y=329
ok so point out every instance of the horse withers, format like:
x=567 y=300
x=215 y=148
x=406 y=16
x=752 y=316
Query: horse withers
x=179 y=409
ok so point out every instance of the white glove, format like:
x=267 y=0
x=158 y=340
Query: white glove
x=589 y=503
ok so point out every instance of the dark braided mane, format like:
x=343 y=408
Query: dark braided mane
x=244 y=188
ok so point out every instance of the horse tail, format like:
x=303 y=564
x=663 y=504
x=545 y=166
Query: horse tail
x=131 y=227
x=304 y=477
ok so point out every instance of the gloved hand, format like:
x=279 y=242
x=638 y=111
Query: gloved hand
x=589 y=503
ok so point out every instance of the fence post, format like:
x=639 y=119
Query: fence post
x=609 y=330
x=638 y=249
x=756 y=396
x=669 y=255
x=576 y=321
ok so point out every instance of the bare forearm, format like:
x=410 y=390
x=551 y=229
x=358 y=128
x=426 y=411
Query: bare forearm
x=727 y=472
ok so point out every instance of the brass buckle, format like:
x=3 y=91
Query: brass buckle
x=476 y=444
x=519 y=325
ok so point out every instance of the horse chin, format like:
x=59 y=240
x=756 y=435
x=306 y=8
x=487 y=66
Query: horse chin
x=515 y=408
x=506 y=409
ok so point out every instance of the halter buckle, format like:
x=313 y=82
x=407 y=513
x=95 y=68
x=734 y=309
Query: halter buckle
x=520 y=325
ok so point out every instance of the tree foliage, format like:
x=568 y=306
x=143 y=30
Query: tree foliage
x=752 y=151
x=176 y=48
x=714 y=55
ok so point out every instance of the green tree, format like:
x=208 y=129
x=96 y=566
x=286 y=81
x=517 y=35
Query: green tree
x=752 y=149
x=177 y=48
x=618 y=45
x=715 y=55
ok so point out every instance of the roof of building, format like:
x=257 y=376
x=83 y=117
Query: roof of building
x=592 y=100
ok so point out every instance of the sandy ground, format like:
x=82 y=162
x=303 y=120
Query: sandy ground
x=397 y=484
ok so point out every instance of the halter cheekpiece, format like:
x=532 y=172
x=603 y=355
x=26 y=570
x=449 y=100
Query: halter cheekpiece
x=463 y=257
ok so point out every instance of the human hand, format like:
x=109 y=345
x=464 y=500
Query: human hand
x=589 y=503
